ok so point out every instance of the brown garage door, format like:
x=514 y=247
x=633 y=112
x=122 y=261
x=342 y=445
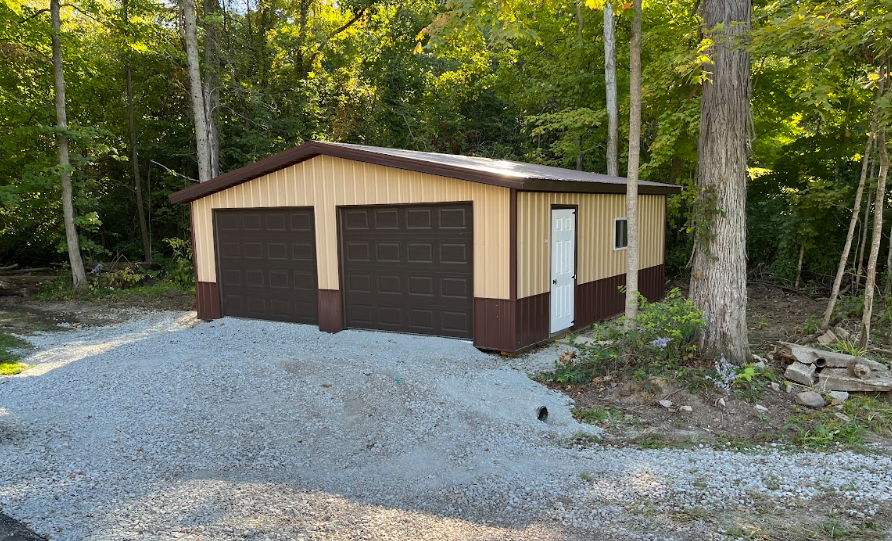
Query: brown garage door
x=266 y=262
x=408 y=268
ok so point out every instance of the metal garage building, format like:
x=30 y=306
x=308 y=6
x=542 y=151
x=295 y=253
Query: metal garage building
x=349 y=236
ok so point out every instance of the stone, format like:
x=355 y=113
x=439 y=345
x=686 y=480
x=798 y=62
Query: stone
x=775 y=386
x=842 y=396
x=665 y=403
x=842 y=333
x=686 y=409
x=842 y=417
x=828 y=339
x=583 y=340
x=760 y=408
x=801 y=373
x=838 y=379
x=720 y=403
x=810 y=399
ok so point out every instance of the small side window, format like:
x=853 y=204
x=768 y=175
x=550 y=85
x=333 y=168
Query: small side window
x=620 y=234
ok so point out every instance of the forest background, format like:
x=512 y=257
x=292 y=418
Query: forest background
x=517 y=79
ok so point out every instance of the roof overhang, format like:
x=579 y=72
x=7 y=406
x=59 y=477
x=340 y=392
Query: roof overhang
x=312 y=149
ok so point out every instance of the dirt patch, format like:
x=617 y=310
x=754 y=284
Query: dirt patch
x=765 y=412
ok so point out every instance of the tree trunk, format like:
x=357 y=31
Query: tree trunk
x=212 y=81
x=859 y=267
x=202 y=146
x=634 y=154
x=844 y=258
x=134 y=153
x=610 y=80
x=887 y=286
x=718 y=278
x=799 y=266
x=875 y=239
x=78 y=276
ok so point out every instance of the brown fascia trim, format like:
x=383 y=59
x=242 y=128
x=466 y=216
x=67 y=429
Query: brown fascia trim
x=314 y=148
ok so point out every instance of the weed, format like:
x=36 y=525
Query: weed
x=833 y=530
x=762 y=323
x=597 y=416
x=9 y=357
x=586 y=477
x=870 y=413
x=820 y=430
x=811 y=325
x=849 y=347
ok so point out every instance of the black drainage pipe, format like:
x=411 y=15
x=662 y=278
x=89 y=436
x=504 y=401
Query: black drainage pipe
x=542 y=413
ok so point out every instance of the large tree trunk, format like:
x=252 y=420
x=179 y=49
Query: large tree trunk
x=634 y=154
x=212 y=81
x=718 y=278
x=78 y=276
x=610 y=80
x=875 y=239
x=134 y=153
x=196 y=94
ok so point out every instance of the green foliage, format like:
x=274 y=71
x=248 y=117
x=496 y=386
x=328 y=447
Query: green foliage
x=9 y=356
x=182 y=271
x=665 y=339
x=811 y=325
x=849 y=347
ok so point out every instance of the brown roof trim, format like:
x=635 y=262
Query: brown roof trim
x=312 y=149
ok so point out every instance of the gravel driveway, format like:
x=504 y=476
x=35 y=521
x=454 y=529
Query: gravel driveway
x=164 y=428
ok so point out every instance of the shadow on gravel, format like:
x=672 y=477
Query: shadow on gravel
x=13 y=530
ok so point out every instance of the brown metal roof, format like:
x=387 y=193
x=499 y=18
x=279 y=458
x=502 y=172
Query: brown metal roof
x=517 y=175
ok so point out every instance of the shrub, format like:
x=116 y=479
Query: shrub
x=182 y=271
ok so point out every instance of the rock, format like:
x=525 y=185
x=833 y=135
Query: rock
x=760 y=408
x=801 y=373
x=665 y=403
x=775 y=386
x=842 y=417
x=583 y=340
x=720 y=403
x=686 y=409
x=858 y=368
x=838 y=379
x=842 y=396
x=810 y=399
x=828 y=339
x=842 y=333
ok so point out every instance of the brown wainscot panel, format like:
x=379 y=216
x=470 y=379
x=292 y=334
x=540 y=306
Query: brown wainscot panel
x=494 y=324
x=331 y=317
x=532 y=320
x=602 y=299
x=208 y=296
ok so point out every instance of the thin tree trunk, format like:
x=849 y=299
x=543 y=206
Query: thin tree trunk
x=875 y=240
x=202 y=146
x=212 y=81
x=610 y=80
x=799 y=266
x=634 y=155
x=134 y=153
x=859 y=267
x=78 y=275
x=887 y=286
x=844 y=258
x=718 y=278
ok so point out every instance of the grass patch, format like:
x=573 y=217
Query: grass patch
x=61 y=290
x=9 y=357
x=818 y=429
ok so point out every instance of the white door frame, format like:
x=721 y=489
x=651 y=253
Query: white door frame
x=563 y=267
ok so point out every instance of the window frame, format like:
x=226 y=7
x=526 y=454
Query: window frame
x=616 y=222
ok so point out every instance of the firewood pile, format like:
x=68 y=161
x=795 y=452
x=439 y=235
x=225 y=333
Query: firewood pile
x=16 y=281
x=832 y=371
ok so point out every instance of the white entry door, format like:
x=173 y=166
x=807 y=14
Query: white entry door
x=563 y=268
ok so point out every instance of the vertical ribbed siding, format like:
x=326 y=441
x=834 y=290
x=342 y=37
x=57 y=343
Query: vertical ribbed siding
x=596 y=258
x=326 y=182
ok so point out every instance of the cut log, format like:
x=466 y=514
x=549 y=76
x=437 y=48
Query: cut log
x=22 y=285
x=18 y=272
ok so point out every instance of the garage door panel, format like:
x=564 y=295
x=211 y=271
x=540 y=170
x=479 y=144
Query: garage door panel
x=412 y=274
x=267 y=264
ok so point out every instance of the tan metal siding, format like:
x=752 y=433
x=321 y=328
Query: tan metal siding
x=326 y=182
x=596 y=258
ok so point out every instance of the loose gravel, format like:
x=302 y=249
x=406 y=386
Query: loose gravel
x=163 y=427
